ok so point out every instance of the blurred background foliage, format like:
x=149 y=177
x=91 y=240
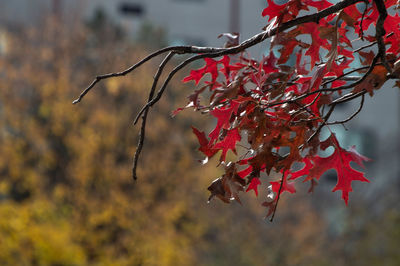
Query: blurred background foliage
x=67 y=197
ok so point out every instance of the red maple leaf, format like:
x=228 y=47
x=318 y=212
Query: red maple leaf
x=246 y=171
x=211 y=67
x=254 y=183
x=273 y=10
x=317 y=41
x=392 y=24
x=304 y=171
x=228 y=143
x=287 y=186
x=318 y=4
x=204 y=143
x=223 y=116
x=340 y=161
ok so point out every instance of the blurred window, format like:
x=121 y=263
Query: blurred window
x=131 y=9
x=194 y=1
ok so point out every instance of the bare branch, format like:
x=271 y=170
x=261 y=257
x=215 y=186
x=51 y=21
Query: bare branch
x=326 y=117
x=177 y=49
x=212 y=52
x=380 y=32
x=349 y=97
x=144 y=116
x=343 y=77
x=277 y=199
x=362 y=19
x=352 y=116
x=167 y=80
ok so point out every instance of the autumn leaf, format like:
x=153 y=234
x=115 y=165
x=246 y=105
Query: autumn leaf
x=286 y=186
x=205 y=146
x=254 y=183
x=211 y=67
x=340 y=161
x=305 y=171
x=373 y=81
x=228 y=186
x=223 y=115
x=273 y=10
x=228 y=143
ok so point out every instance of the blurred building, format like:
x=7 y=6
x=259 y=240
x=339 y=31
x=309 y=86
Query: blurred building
x=197 y=22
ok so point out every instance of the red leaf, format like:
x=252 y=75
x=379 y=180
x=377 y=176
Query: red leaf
x=195 y=75
x=227 y=68
x=177 y=111
x=340 y=161
x=287 y=186
x=287 y=50
x=392 y=24
x=300 y=67
x=204 y=143
x=318 y=4
x=227 y=187
x=254 y=183
x=317 y=41
x=270 y=205
x=304 y=171
x=210 y=67
x=223 y=116
x=245 y=172
x=273 y=10
x=374 y=81
x=229 y=143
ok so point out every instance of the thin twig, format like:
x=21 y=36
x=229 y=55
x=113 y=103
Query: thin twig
x=323 y=123
x=305 y=107
x=343 y=76
x=348 y=97
x=362 y=20
x=144 y=116
x=277 y=198
x=350 y=117
x=167 y=80
x=370 y=44
x=128 y=70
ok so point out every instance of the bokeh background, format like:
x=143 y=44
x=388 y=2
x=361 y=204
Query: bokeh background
x=66 y=194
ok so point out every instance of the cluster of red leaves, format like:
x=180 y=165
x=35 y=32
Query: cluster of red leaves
x=278 y=109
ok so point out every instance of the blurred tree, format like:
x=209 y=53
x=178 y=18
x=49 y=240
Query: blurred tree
x=151 y=37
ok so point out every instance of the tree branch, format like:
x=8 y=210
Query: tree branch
x=144 y=116
x=350 y=117
x=212 y=52
x=380 y=33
